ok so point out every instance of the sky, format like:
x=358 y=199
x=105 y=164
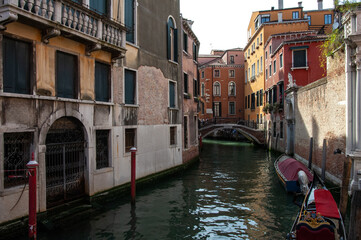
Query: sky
x=222 y=24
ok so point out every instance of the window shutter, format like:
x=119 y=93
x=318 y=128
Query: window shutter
x=100 y=6
x=172 y=94
x=168 y=41
x=220 y=109
x=65 y=75
x=129 y=19
x=175 y=45
x=129 y=87
x=102 y=92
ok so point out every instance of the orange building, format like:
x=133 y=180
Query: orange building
x=221 y=84
x=261 y=26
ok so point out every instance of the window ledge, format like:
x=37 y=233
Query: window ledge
x=186 y=53
x=131 y=105
x=103 y=170
x=38 y=97
x=297 y=68
x=173 y=62
x=133 y=45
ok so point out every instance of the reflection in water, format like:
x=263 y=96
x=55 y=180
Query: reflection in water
x=232 y=194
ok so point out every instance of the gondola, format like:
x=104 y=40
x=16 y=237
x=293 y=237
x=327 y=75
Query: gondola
x=294 y=175
x=319 y=217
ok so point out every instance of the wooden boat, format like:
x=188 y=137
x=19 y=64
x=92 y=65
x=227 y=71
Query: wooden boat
x=319 y=217
x=294 y=176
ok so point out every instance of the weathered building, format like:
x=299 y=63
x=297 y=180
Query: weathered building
x=261 y=26
x=295 y=57
x=222 y=84
x=68 y=94
x=190 y=45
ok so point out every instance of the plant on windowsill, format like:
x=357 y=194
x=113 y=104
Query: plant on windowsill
x=265 y=108
x=270 y=107
x=276 y=107
x=187 y=96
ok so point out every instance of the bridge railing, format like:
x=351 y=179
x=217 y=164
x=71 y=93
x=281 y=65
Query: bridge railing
x=212 y=121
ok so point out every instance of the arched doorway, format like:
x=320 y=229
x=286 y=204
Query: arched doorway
x=65 y=161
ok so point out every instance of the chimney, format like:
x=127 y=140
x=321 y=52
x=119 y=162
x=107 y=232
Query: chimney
x=299 y=4
x=280 y=4
x=279 y=17
x=320 y=4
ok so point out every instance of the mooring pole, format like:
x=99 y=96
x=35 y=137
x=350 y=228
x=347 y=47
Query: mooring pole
x=323 y=176
x=133 y=151
x=310 y=154
x=32 y=196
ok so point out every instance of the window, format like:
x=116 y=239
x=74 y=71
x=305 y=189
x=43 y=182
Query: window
x=202 y=89
x=202 y=74
x=249 y=101
x=270 y=50
x=216 y=73
x=260 y=38
x=253 y=70
x=172 y=103
x=195 y=88
x=130 y=87
x=253 y=101
x=102 y=82
x=274 y=67
x=194 y=52
x=261 y=97
x=249 y=74
x=172 y=135
x=249 y=52
x=266 y=73
x=274 y=129
x=299 y=58
x=328 y=19
x=232 y=89
x=185 y=82
x=185 y=42
x=270 y=70
x=217 y=89
x=257 y=96
x=257 y=118
x=274 y=94
x=261 y=62
x=130 y=140
x=232 y=59
x=257 y=67
x=202 y=107
x=266 y=55
x=16 y=156
x=246 y=78
x=66 y=75
x=102 y=148
x=281 y=92
x=129 y=10
x=245 y=102
x=231 y=73
x=281 y=60
x=217 y=109
x=232 y=108
x=257 y=42
x=295 y=15
x=16 y=66
x=281 y=129
x=260 y=118
x=309 y=20
x=99 y=6
x=172 y=40
x=265 y=19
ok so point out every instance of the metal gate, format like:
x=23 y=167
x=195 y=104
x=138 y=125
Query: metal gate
x=65 y=163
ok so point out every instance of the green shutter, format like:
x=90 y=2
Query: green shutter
x=129 y=19
x=102 y=83
x=172 y=94
x=100 y=6
x=129 y=87
x=175 y=45
x=66 y=69
x=168 y=39
x=16 y=66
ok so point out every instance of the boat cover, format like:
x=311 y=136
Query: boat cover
x=290 y=168
x=325 y=204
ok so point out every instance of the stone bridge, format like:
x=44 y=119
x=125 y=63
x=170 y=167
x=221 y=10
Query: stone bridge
x=254 y=135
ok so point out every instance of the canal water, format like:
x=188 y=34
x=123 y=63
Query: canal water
x=233 y=193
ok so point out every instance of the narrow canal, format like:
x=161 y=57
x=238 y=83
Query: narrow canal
x=233 y=193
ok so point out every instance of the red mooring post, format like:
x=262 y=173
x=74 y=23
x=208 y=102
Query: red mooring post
x=32 y=196
x=133 y=150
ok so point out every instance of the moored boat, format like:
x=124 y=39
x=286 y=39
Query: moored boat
x=319 y=217
x=294 y=176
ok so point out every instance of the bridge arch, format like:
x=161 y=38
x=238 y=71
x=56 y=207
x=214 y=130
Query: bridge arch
x=214 y=128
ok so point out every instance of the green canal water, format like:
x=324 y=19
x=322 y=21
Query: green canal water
x=233 y=193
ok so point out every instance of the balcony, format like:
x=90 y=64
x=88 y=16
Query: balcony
x=69 y=19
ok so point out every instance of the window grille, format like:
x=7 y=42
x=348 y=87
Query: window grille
x=102 y=148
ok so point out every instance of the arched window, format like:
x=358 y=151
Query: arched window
x=217 y=89
x=172 y=40
x=232 y=89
